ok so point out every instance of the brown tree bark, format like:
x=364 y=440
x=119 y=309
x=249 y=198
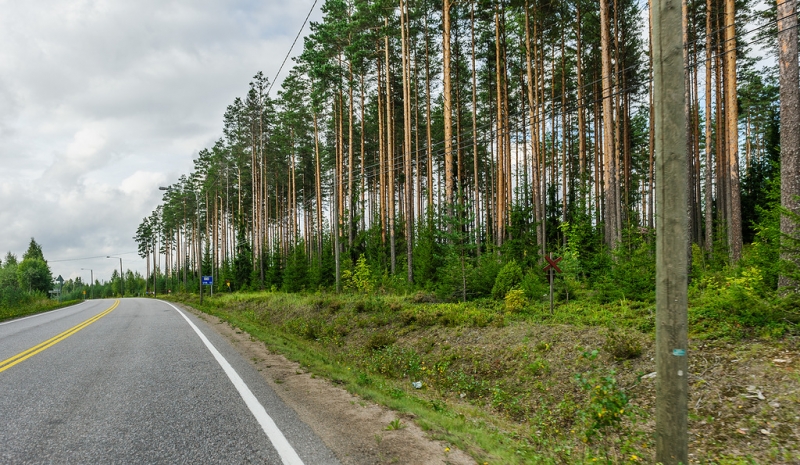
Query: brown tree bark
x=612 y=233
x=390 y=156
x=381 y=157
x=581 y=114
x=350 y=149
x=790 y=122
x=732 y=134
x=709 y=200
x=429 y=139
x=475 y=173
x=447 y=104
x=409 y=204
x=533 y=121
x=501 y=175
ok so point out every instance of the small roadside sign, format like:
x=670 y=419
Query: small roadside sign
x=208 y=280
x=551 y=268
x=552 y=263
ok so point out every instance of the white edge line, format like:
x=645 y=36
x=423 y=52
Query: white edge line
x=50 y=312
x=285 y=450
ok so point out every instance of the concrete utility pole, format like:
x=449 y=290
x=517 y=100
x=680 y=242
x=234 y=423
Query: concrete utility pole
x=121 y=276
x=672 y=235
x=91 y=282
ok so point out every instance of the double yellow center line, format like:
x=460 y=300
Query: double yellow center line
x=22 y=356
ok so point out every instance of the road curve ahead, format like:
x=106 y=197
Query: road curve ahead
x=138 y=381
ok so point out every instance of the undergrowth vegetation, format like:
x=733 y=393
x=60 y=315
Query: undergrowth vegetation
x=481 y=361
x=32 y=304
x=502 y=377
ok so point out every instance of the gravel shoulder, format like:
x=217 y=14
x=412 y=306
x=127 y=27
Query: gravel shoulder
x=355 y=429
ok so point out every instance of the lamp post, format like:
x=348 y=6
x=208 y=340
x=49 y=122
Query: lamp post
x=91 y=281
x=199 y=241
x=121 y=276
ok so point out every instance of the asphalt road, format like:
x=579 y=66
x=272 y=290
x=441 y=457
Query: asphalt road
x=138 y=384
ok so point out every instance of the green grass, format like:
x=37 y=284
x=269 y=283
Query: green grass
x=471 y=397
x=30 y=308
x=505 y=387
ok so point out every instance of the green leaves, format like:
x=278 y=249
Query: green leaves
x=509 y=278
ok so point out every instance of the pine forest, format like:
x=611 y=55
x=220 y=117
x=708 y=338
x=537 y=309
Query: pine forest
x=441 y=141
x=504 y=218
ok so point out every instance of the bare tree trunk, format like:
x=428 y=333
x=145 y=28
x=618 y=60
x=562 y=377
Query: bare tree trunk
x=723 y=192
x=652 y=145
x=688 y=110
x=709 y=201
x=619 y=122
x=390 y=156
x=381 y=158
x=448 y=110
x=363 y=164
x=501 y=190
x=581 y=114
x=563 y=134
x=409 y=204
x=732 y=134
x=609 y=176
x=541 y=131
x=790 y=122
x=429 y=140
x=350 y=192
x=475 y=173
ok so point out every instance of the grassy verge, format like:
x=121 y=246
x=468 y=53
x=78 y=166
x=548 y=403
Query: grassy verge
x=32 y=307
x=521 y=386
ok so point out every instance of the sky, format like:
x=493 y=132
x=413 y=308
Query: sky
x=103 y=101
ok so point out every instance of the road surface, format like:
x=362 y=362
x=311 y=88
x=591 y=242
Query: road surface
x=138 y=381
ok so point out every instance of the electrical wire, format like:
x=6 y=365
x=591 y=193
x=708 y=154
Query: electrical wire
x=399 y=160
x=290 y=48
x=88 y=258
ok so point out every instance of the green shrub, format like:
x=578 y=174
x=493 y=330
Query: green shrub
x=623 y=344
x=451 y=280
x=734 y=306
x=380 y=340
x=515 y=300
x=369 y=305
x=535 y=285
x=483 y=276
x=424 y=298
x=539 y=366
x=509 y=277
x=606 y=407
x=358 y=280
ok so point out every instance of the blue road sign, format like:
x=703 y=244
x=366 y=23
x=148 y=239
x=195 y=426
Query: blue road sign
x=208 y=280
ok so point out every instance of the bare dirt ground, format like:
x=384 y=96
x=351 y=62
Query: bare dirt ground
x=354 y=429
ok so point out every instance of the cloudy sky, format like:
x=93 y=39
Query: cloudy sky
x=102 y=101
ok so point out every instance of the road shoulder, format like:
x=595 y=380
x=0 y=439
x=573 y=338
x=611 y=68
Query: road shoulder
x=354 y=429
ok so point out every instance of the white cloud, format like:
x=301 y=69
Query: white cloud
x=104 y=100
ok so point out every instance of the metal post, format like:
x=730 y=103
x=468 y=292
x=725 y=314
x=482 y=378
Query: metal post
x=91 y=281
x=672 y=238
x=155 y=272
x=121 y=277
x=199 y=246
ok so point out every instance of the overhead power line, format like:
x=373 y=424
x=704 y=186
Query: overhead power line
x=290 y=48
x=89 y=258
